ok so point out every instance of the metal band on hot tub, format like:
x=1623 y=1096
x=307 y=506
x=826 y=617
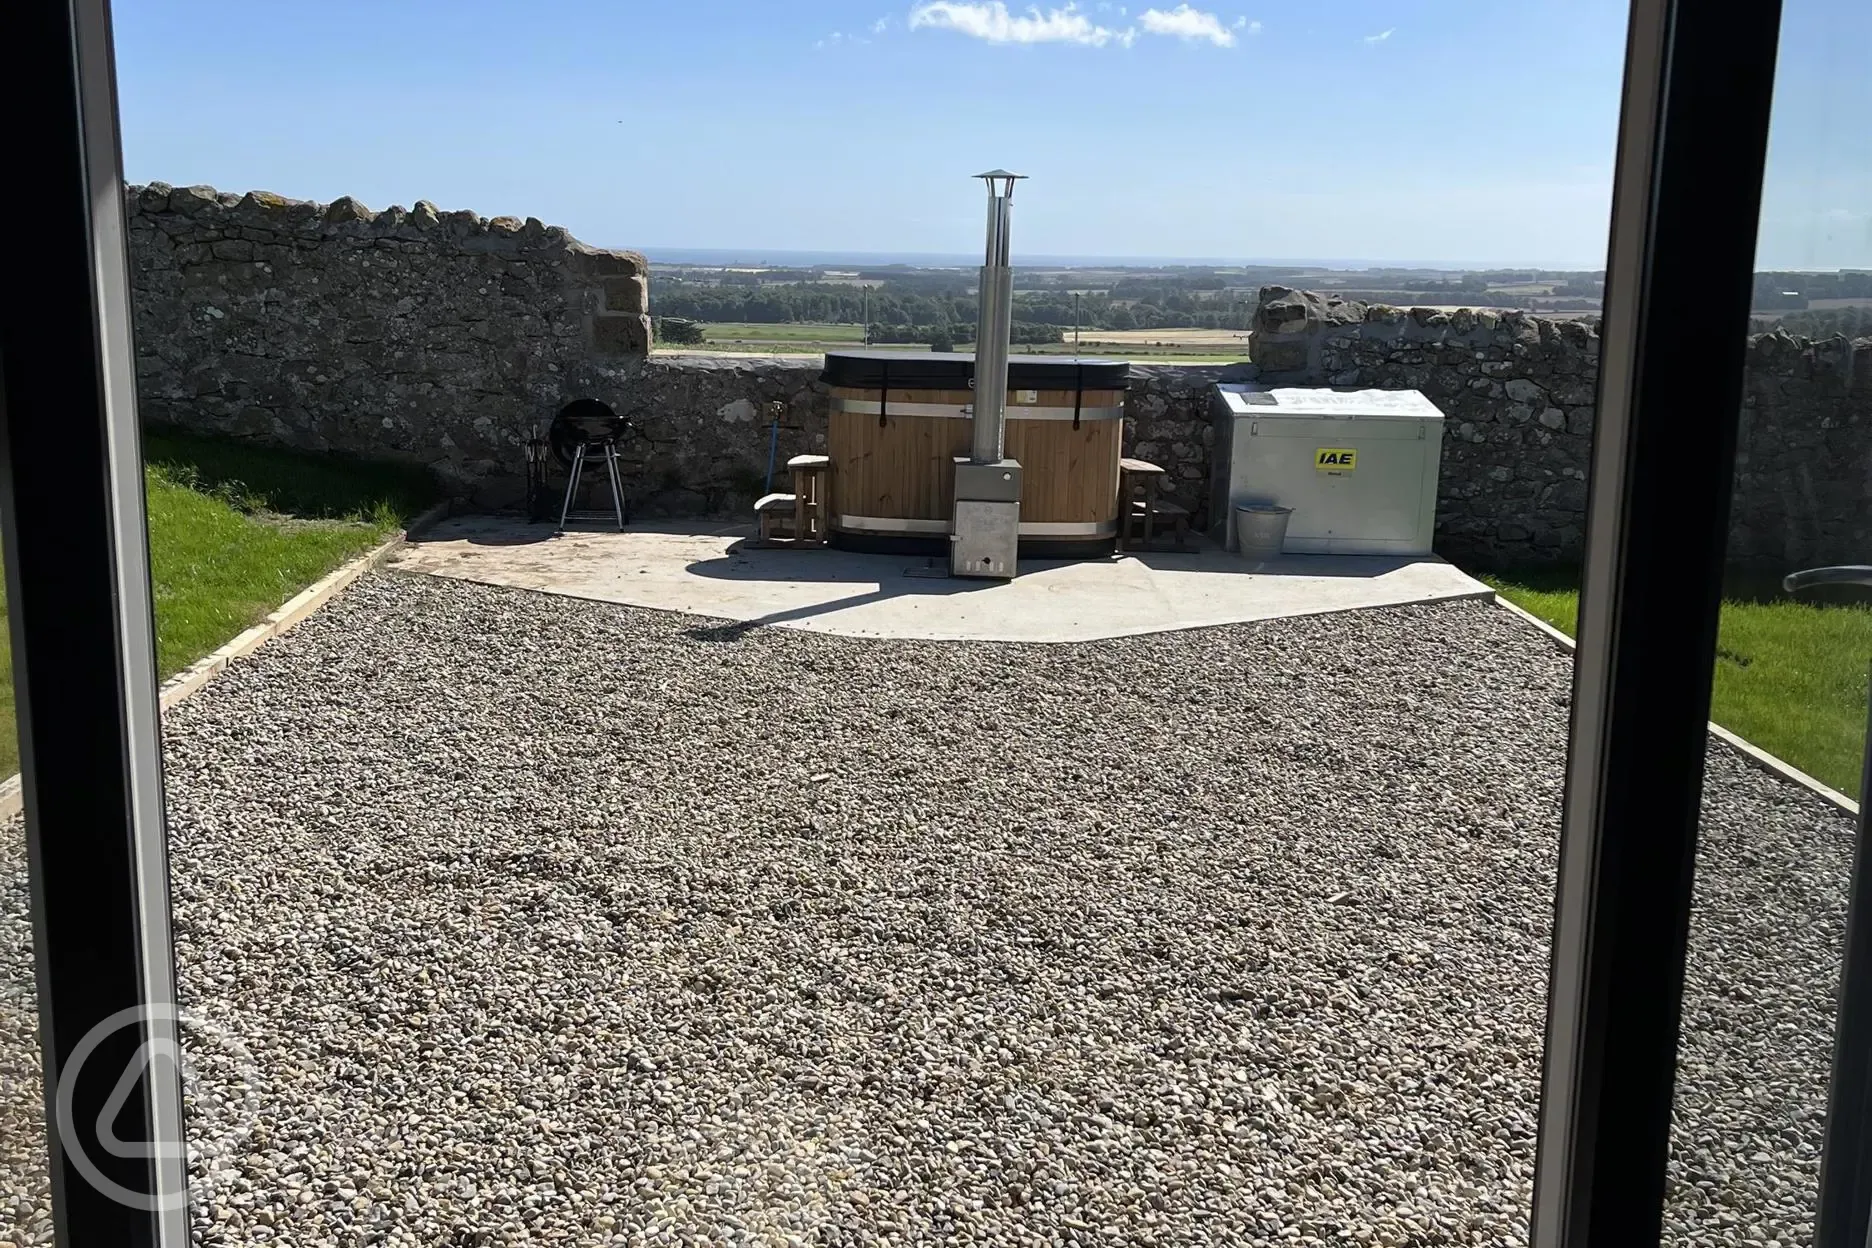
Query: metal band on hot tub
x=961 y=411
x=1028 y=528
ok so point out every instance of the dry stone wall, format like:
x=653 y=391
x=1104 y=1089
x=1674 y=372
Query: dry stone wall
x=1518 y=391
x=707 y=422
x=445 y=338
x=419 y=334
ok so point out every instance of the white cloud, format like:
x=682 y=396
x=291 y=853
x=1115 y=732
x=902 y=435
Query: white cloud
x=880 y=26
x=1381 y=36
x=992 y=21
x=1186 y=23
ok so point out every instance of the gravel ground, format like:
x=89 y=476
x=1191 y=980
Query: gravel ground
x=516 y=918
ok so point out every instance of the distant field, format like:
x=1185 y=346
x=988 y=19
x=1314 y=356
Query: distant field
x=789 y=332
x=1190 y=346
x=1165 y=337
x=1813 y=305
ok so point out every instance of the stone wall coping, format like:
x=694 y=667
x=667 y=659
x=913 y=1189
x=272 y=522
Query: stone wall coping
x=742 y=361
x=1285 y=312
x=346 y=216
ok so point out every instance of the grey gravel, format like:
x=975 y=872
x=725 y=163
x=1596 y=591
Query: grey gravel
x=529 y=919
x=25 y=1194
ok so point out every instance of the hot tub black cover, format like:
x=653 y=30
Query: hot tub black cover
x=952 y=370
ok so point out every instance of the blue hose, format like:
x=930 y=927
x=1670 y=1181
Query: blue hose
x=773 y=447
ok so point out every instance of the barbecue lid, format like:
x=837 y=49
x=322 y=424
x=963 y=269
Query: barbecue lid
x=584 y=422
x=953 y=370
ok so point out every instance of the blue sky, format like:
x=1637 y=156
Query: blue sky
x=1438 y=132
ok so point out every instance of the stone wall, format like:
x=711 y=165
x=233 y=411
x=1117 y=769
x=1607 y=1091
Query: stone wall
x=1518 y=393
x=1804 y=454
x=433 y=336
x=445 y=338
x=706 y=422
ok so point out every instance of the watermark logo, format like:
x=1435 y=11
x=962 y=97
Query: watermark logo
x=178 y=1053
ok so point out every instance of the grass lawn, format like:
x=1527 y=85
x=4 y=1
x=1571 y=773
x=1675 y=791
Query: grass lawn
x=1790 y=675
x=236 y=530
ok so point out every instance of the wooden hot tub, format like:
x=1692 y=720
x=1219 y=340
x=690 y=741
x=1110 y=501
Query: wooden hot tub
x=899 y=419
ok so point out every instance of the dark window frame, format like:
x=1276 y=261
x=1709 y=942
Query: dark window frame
x=1693 y=138
x=72 y=509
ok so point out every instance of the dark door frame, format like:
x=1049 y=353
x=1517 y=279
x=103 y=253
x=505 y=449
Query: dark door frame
x=1693 y=138
x=77 y=571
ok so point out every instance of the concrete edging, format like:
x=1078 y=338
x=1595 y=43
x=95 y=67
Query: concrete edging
x=194 y=678
x=1751 y=753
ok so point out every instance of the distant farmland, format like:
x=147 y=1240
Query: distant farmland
x=1194 y=346
x=730 y=333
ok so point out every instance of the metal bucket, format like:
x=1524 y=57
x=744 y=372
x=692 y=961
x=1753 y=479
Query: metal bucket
x=1261 y=529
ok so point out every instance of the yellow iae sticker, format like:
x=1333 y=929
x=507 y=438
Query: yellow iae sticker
x=1335 y=459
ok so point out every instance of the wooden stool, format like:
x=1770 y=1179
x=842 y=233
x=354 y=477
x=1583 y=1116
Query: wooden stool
x=775 y=513
x=802 y=517
x=812 y=498
x=1138 y=518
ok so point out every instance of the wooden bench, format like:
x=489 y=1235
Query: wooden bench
x=1141 y=512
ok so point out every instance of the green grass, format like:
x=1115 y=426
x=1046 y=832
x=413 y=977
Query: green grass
x=236 y=530
x=733 y=331
x=1790 y=675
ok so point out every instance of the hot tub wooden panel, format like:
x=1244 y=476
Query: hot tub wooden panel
x=894 y=472
x=893 y=451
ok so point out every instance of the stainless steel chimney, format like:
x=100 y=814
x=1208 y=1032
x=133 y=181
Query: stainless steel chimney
x=985 y=535
x=995 y=322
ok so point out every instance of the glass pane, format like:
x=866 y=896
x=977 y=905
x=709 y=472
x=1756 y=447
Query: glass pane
x=669 y=885
x=1775 y=859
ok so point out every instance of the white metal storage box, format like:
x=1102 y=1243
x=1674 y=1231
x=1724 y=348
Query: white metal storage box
x=1358 y=467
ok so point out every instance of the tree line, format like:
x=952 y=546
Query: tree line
x=1854 y=322
x=836 y=304
x=1202 y=299
x=1778 y=290
x=1021 y=333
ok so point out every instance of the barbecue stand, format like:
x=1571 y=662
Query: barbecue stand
x=583 y=436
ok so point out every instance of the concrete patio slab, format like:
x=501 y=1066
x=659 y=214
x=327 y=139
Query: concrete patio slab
x=705 y=569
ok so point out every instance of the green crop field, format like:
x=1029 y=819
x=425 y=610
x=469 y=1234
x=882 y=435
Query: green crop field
x=786 y=332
